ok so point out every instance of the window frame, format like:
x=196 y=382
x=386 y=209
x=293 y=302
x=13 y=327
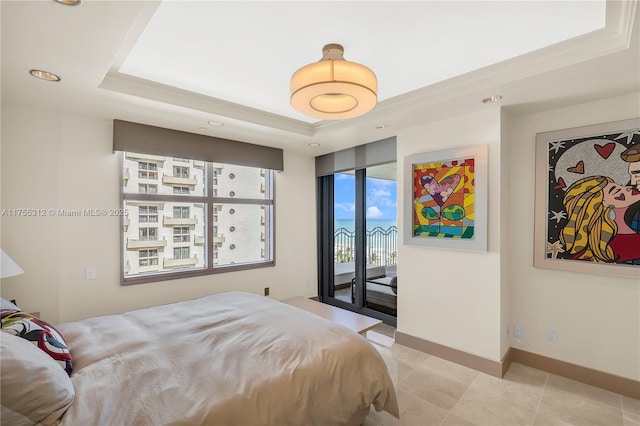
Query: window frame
x=209 y=200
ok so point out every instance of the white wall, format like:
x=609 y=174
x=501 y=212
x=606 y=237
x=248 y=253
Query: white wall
x=452 y=297
x=463 y=300
x=597 y=316
x=52 y=160
x=506 y=181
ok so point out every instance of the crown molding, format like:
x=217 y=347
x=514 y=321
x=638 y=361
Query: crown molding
x=140 y=87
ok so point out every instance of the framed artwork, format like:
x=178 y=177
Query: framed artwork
x=446 y=195
x=587 y=200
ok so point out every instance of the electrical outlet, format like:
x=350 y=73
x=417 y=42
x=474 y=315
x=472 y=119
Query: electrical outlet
x=517 y=330
x=552 y=334
x=266 y=291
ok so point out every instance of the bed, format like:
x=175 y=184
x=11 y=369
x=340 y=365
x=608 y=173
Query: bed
x=227 y=359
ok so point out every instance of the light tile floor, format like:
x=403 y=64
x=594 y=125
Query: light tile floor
x=432 y=391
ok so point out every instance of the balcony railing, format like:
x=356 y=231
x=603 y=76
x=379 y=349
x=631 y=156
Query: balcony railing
x=180 y=263
x=381 y=246
x=145 y=157
x=179 y=221
x=178 y=181
x=145 y=244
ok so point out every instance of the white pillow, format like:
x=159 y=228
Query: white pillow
x=34 y=389
x=5 y=304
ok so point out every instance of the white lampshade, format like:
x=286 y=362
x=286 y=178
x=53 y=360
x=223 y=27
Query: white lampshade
x=334 y=88
x=8 y=267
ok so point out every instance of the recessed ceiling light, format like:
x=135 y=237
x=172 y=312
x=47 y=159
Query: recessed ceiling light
x=382 y=126
x=68 y=2
x=215 y=123
x=44 y=75
x=490 y=99
x=314 y=144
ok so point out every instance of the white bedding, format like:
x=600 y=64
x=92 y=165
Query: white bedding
x=228 y=359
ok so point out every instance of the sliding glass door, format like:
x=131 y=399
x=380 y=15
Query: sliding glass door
x=344 y=242
x=357 y=242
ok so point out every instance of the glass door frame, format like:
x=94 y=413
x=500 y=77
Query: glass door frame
x=326 y=247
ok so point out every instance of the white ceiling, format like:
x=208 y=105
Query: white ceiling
x=228 y=51
x=180 y=64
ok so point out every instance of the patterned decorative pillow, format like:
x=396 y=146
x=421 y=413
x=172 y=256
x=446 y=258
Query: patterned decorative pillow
x=38 y=332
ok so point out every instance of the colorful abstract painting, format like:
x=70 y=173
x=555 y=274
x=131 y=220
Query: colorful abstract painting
x=443 y=193
x=591 y=193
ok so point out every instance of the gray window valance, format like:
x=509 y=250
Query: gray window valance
x=144 y=139
x=359 y=157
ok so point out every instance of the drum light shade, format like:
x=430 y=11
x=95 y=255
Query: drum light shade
x=333 y=88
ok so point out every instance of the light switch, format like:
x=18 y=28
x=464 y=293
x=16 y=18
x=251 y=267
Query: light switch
x=90 y=273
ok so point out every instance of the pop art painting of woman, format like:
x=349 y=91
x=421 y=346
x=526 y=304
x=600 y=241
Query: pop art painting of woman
x=596 y=229
x=591 y=197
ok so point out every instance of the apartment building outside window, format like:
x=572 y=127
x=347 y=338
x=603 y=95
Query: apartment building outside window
x=181 y=172
x=147 y=170
x=180 y=212
x=148 y=257
x=147 y=188
x=207 y=218
x=181 y=234
x=181 y=253
x=148 y=214
x=148 y=234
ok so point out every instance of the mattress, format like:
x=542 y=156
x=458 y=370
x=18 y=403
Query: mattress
x=227 y=359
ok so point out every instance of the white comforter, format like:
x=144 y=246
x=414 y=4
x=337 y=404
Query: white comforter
x=228 y=359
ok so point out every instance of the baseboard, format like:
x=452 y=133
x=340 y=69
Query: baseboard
x=506 y=361
x=490 y=367
x=601 y=379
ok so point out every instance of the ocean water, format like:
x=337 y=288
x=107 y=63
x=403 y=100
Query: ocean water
x=349 y=224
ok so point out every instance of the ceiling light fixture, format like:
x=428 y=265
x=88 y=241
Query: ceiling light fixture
x=69 y=2
x=44 y=75
x=313 y=144
x=490 y=99
x=334 y=88
x=215 y=123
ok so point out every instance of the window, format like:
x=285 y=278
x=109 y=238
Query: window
x=148 y=214
x=148 y=234
x=181 y=253
x=181 y=234
x=181 y=172
x=180 y=212
x=148 y=257
x=177 y=229
x=147 y=188
x=181 y=190
x=147 y=170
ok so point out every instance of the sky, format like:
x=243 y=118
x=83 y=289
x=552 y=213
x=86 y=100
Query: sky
x=381 y=198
